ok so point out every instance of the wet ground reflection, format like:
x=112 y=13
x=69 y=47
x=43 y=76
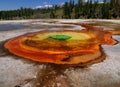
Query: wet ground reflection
x=39 y=25
x=4 y=27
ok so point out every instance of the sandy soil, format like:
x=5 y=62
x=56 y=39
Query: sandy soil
x=15 y=70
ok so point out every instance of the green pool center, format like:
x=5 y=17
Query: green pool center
x=60 y=37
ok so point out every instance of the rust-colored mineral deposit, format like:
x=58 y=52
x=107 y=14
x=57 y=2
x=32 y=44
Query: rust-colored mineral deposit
x=69 y=47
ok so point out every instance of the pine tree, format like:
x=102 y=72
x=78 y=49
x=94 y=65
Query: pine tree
x=117 y=8
x=96 y=9
x=52 y=14
x=71 y=5
x=77 y=15
x=105 y=10
x=80 y=8
x=66 y=11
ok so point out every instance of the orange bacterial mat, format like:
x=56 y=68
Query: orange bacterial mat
x=70 y=47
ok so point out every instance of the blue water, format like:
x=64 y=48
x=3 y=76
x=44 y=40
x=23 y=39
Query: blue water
x=5 y=27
